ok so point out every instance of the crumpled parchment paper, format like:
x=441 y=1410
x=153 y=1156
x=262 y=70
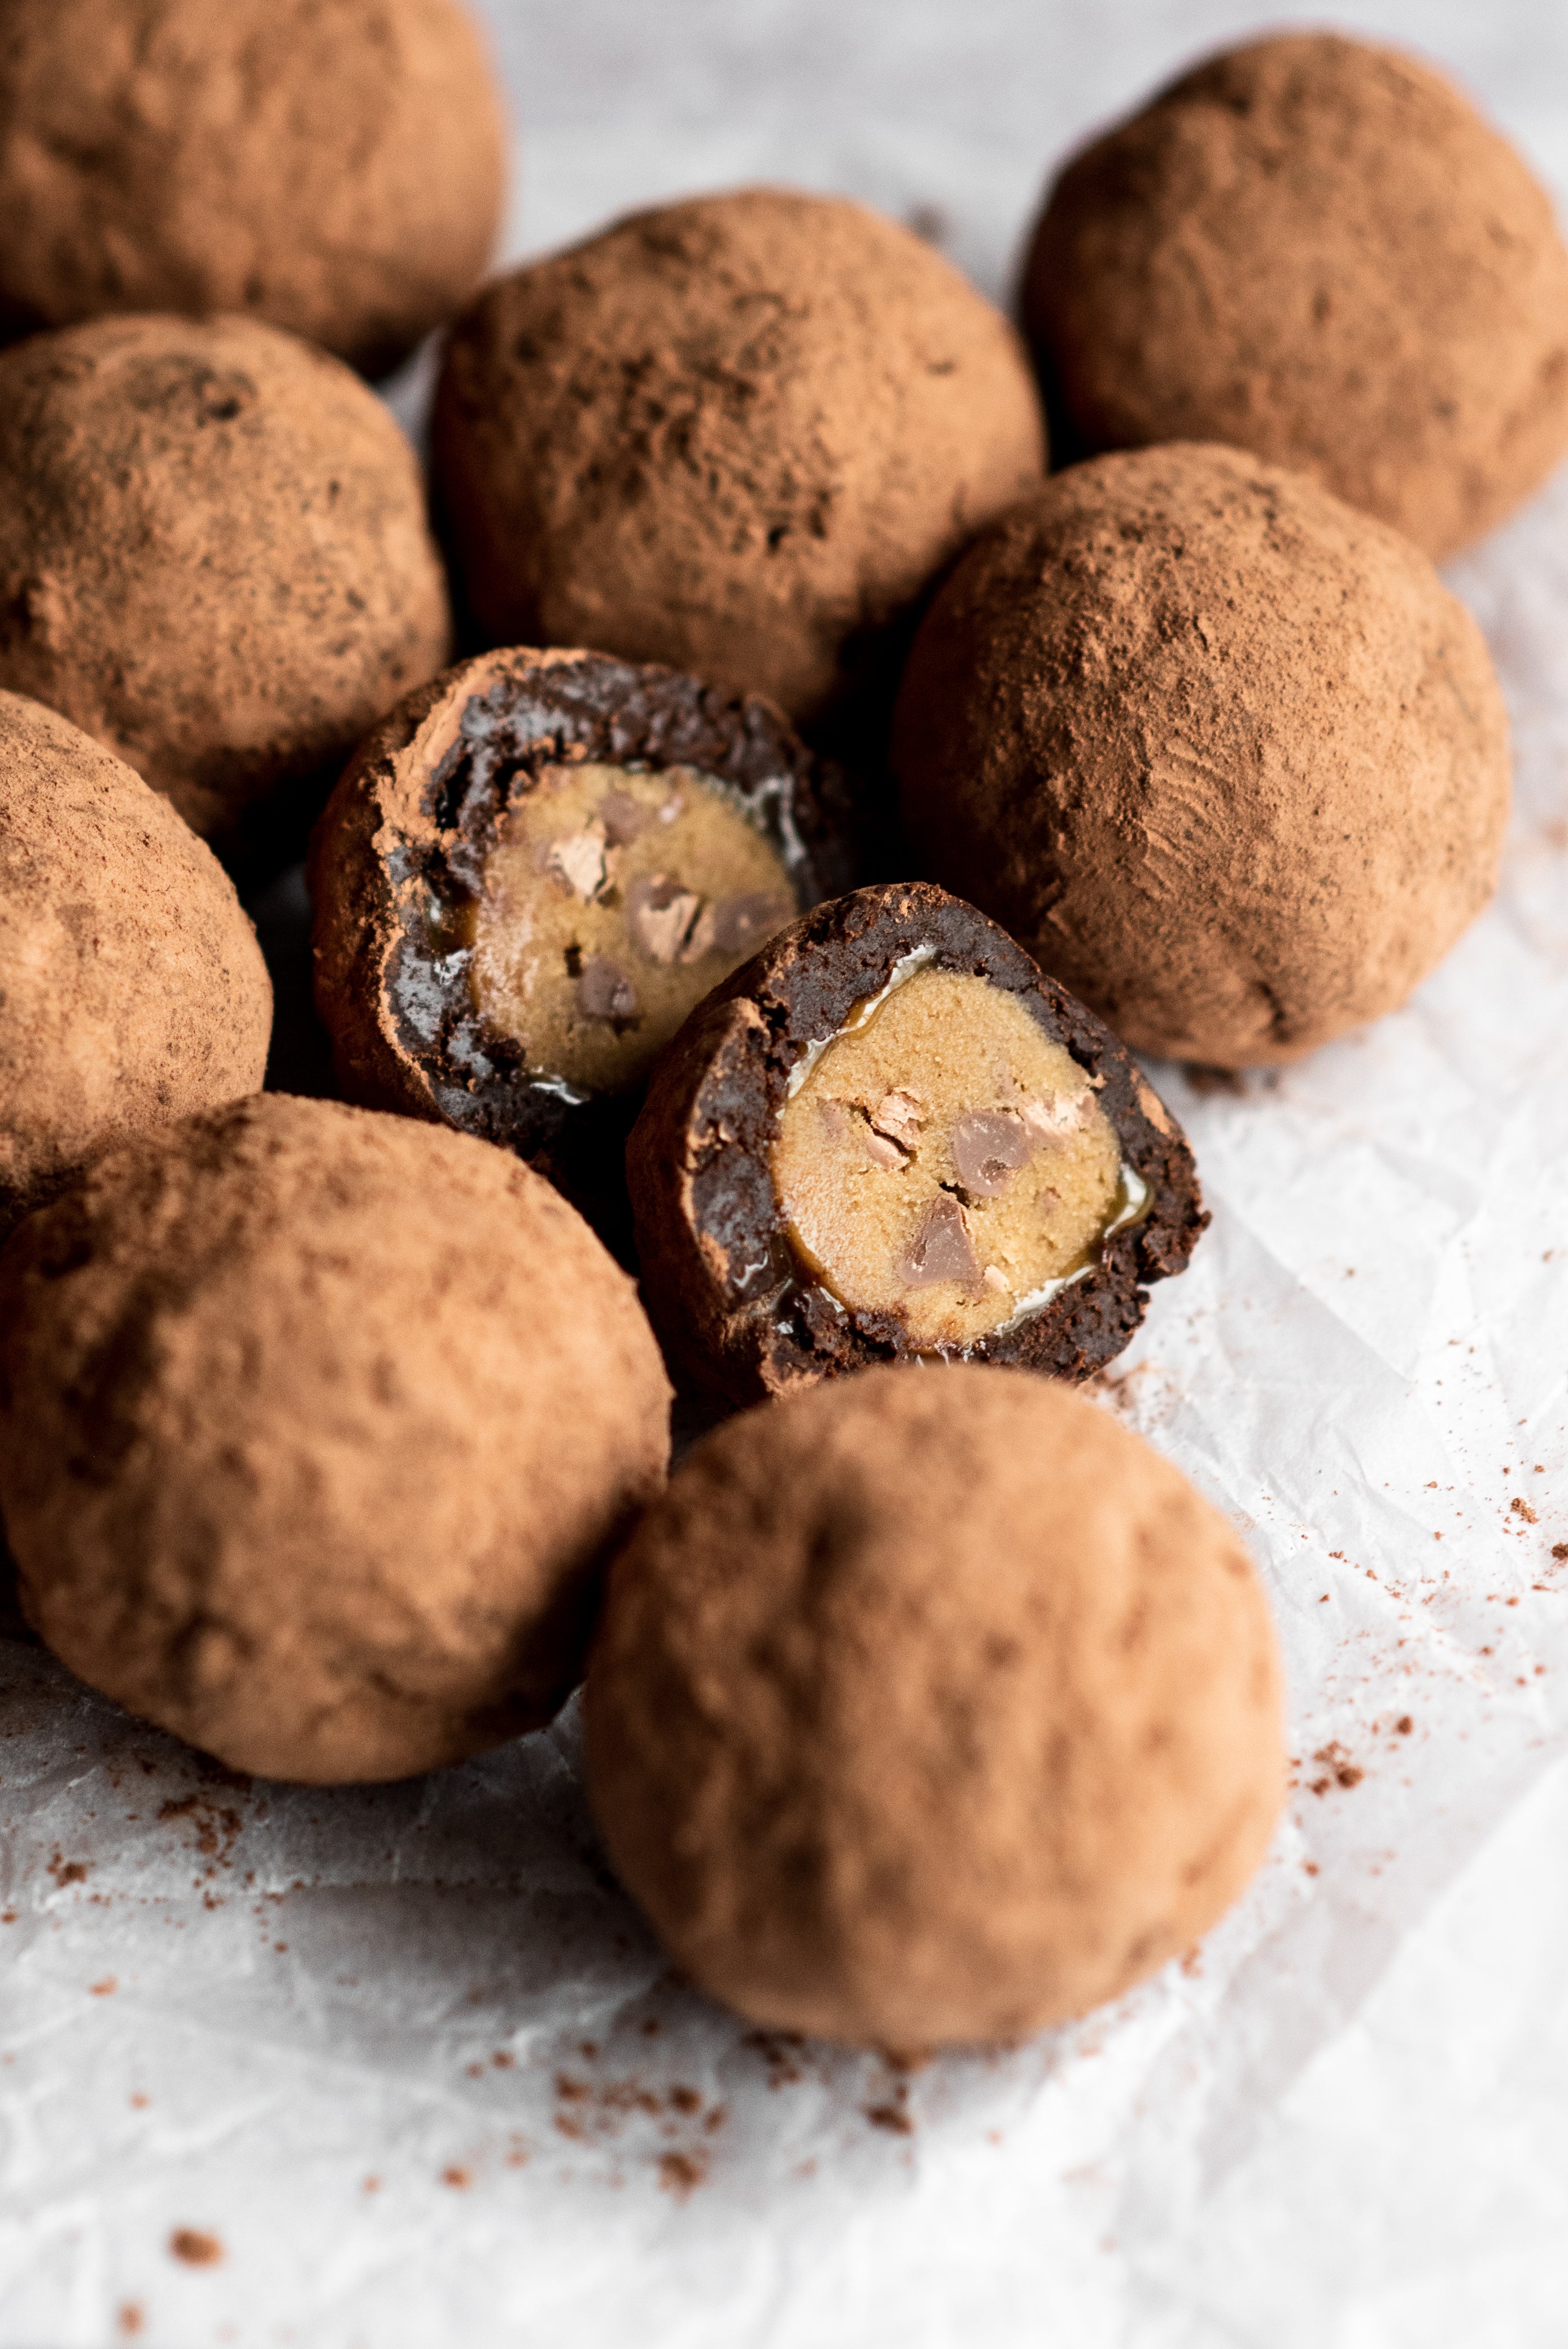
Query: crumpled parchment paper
x=401 y=2067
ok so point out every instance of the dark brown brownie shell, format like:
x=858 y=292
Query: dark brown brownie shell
x=398 y=856
x=736 y=1314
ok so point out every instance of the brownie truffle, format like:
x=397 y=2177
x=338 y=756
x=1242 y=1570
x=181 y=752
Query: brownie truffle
x=1315 y=249
x=315 y=1426
x=531 y=872
x=337 y=171
x=738 y=435
x=133 y=990
x=932 y=1709
x=888 y=1136
x=1223 y=754
x=215 y=556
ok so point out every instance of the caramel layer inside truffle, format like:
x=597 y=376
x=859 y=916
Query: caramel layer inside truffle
x=943 y=1161
x=612 y=904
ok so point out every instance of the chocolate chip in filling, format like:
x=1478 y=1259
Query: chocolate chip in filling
x=612 y=902
x=942 y=1160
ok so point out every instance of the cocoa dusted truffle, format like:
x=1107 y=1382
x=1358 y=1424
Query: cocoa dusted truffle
x=532 y=872
x=932 y=1709
x=337 y=171
x=1224 y=756
x=887 y=1136
x=213 y=556
x=738 y=435
x=1315 y=249
x=132 y=990
x=315 y=1426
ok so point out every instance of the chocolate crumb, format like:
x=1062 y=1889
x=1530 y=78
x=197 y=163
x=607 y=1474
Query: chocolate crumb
x=1404 y=1725
x=196 y=2248
x=681 y=2173
x=1521 y=1508
x=889 y=2117
x=459 y=2179
x=130 y=2319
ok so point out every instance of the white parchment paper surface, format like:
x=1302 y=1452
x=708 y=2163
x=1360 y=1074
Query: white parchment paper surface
x=404 y=2054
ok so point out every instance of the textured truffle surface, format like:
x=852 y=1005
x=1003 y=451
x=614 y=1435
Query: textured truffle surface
x=313 y=1428
x=133 y=990
x=213 y=556
x=401 y=860
x=932 y=1707
x=1223 y=754
x=737 y=435
x=737 y=1306
x=336 y=170
x=1315 y=249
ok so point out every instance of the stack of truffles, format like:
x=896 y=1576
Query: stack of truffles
x=732 y=965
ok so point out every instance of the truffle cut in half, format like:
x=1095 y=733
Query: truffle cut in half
x=337 y=171
x=1317 y=249
x=888 y=1135
x=133 y=990
x=740 y=434
x=531 y=872
x=1224 y=754
x=315 y=1428
x=214 y=557
x=932 y=1709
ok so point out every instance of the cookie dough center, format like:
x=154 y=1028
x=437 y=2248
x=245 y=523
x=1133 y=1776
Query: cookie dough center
x=612 y=902
x=943 y=1161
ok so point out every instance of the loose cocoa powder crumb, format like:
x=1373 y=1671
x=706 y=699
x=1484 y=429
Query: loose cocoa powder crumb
x=1404 y=1725
x=67 y=1871
x=130 y=2319
x=681 y=2174
x=1340 y=1769
x=197 y=2249
x=105 y=1989
x=1521 y=1508
x=457 y=2177
x=1560 y=1550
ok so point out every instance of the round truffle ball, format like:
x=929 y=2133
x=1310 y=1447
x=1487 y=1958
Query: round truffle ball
x=337 y=171
x=737 y=436
x=931 y=1707
x=133 y=990
x=1224 y=756
x=315 y=1426
x=215 y=556
x=1315 y=249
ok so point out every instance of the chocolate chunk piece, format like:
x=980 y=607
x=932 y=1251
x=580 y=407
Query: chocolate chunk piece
x=834 y=1166
x=940 y=1249
x=529 y=875
x=606 y=993
x=989 y=1146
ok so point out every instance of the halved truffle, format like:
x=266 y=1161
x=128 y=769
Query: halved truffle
x=133 y=990
x=932 y=1709
x=314 y=1428
x=531 y=872
x=740 y=434
x=1317 y=249
x=336 y=170
x=888 y=1137
x=214 y=557
x=1224 y=755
